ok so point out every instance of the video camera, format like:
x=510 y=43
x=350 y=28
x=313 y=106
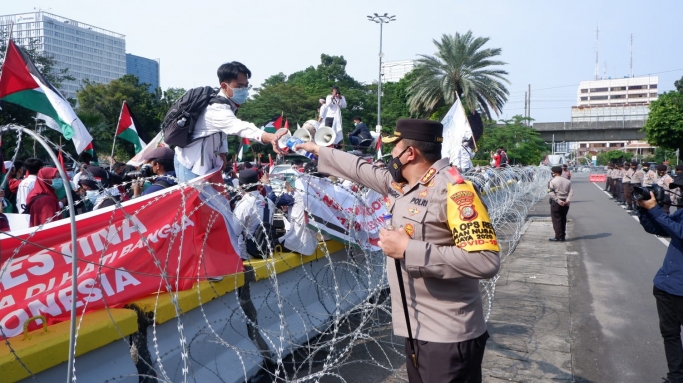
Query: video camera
x=144 y=172
x=642 y=193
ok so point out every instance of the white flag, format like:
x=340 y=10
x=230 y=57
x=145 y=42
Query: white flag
x=456 y=133
x=239 y=155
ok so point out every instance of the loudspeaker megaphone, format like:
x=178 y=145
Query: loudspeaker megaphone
x=325 y=136
x=303 y=134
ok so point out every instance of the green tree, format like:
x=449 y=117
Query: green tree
x=105 y=100
x=460 y=66
x=612 y=156
x=664 y=125
x=522 y=143
x=679 y=85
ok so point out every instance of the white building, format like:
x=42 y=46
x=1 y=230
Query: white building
x=394 y=71
x=615 y=99
x=87 y=51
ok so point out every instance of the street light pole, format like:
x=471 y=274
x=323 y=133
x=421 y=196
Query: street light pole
x=381 y=20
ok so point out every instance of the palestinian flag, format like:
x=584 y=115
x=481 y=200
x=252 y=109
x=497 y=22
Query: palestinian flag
x=126 y=129
x=273 y=125
x=245 y=144
x=90 y=150
x=22 y=84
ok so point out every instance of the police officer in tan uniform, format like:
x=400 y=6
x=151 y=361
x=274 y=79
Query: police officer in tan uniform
x=626 y=180
x=445 y=243
x=663 y=180
x=560 y=192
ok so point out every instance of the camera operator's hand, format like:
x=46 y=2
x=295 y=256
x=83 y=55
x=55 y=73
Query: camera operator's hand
x=649 y=204
x=137 y=187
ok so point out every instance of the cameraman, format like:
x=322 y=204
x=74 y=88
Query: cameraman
x=161 y=160
x=668 y=282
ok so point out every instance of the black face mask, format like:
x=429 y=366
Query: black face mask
x=394 y=166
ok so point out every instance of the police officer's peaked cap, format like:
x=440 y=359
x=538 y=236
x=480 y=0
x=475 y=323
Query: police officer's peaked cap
x=248 y=177
x=646 y=164
x=662 y=168
x=557 y=169
x=419 y=130
x=679 y=167
x=635 y=164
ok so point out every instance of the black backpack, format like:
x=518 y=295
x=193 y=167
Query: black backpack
x=178 y=125
x=257 y=243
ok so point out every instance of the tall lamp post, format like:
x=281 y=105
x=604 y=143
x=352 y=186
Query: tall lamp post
x=381 y=20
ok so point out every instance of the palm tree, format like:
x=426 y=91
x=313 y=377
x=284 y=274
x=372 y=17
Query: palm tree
x=459 y=66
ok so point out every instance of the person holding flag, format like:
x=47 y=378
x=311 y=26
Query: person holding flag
x=209 y=147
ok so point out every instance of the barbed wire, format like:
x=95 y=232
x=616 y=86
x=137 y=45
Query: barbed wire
x=295 y=326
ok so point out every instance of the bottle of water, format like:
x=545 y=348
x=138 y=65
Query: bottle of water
x=387 y=222
x=292 y=142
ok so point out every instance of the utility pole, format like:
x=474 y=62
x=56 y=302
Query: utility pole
x=381 y=20
x=597 y=64
x=525 y=107
x=529 y=105
x=630 y=48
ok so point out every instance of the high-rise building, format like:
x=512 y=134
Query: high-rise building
x=615 y=99
x=394 y=71
x=147 y=70
x=88 y=52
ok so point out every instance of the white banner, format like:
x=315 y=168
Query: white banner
x=353 y=218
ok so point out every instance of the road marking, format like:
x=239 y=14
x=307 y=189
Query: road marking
x=662 y=240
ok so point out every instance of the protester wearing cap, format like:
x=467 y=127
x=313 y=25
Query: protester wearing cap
x=441 y=279
x=161 y=160
x=560 y=192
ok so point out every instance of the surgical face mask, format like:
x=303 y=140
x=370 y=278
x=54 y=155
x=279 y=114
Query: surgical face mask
x=394 y=166
x=355 y=124
x=239 y=95
x=92 y=195
x=57 y=183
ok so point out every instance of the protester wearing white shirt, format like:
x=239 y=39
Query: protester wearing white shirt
x=322 y=110
x=32 y=166
x=216 y=122
x=249 y=212
x=333 y=118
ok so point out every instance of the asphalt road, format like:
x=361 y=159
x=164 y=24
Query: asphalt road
x=615 y=334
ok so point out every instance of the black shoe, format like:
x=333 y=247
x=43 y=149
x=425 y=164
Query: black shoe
x=555 y=240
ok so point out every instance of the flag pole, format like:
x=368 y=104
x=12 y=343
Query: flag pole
x=116 y=130
x=474 y=140
x=35 y=129
x=9 y=38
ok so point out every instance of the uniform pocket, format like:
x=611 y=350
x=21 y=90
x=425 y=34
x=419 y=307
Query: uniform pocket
x=413 y=222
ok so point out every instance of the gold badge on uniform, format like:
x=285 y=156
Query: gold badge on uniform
x=413 y=211
x=431 y=183
x=410 y=230
x=398 y=187
x=423 y=193
x=464 y=200
x=428 y=176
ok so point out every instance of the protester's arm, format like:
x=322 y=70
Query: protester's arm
x=228 y=123
x=649 y=219
x=355 y=131
x=353 y=168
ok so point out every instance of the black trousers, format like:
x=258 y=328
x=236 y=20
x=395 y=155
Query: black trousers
x=458 y=362
x=558 y=214
x=670 y=310
x=620 y=191
x=628 y=193
x=608 y=183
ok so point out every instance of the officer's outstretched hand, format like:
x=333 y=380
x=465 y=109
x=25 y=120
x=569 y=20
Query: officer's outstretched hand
x=649 y=204
x=394 y=242
x=310 y=147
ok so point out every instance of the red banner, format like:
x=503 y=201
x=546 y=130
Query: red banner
x=182 y=235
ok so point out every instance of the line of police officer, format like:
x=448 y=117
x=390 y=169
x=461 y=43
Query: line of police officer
x=622 y=177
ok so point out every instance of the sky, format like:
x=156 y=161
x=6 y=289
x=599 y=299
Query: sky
x=549 y=45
